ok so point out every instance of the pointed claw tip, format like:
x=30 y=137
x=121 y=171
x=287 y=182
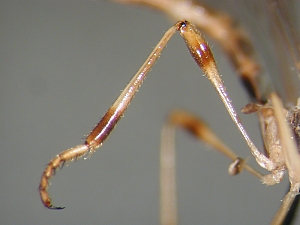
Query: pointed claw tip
x=55 y=207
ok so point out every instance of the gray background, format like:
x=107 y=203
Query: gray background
x=63 y=63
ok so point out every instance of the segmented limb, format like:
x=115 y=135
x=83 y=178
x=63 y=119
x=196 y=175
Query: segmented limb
x=204 y=58
x=106 y=124
x=59 y=160
x=202 y=55
x=237 y=45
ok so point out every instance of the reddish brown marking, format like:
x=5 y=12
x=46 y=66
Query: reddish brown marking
x=197 y=46
x=189 y=122
x=103 y=128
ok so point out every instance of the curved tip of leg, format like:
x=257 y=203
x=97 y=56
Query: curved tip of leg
x=49 y=205
x=46 y=200
x=55 y=207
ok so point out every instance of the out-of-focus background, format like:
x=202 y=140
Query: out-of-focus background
x=63 y=63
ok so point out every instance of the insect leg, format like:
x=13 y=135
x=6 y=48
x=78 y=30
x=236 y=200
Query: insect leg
x=204 y=58
x=102 y=130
